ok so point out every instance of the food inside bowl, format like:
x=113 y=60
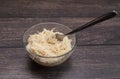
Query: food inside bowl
x=46 y=45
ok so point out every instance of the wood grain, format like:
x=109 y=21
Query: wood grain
x=87 y=62
x=56 y=8
x=97 y=55
x=12 y=30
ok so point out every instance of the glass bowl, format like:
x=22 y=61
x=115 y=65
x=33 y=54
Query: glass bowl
x=54 y=60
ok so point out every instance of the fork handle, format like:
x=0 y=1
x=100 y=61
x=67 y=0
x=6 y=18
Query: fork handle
x=95 y=21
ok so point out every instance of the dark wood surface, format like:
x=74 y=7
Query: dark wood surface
x=87 y=62
x=56 y=8
x=97 y=55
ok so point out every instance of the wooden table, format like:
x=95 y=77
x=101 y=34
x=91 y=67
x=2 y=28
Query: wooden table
x=97 y=55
